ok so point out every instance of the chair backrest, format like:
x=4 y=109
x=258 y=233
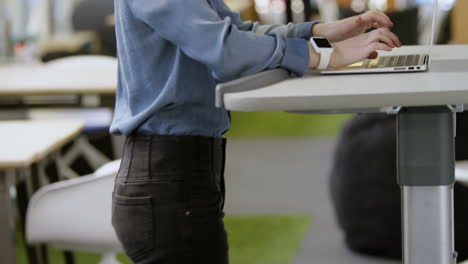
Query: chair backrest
x=74 y=215
x=108 y=168
x=94 y=15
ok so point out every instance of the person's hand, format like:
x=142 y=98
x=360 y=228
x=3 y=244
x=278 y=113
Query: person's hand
x=352 y=26
x=363 y=46
x=355 y=49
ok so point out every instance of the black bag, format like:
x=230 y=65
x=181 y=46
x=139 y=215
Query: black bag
x=364 y=189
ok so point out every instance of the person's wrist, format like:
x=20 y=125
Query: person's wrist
x=318 y=30
x=336 y=57
x=314 y=57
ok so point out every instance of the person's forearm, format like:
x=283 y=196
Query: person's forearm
x=291 y=30
x=229 y=52
x=318 y=29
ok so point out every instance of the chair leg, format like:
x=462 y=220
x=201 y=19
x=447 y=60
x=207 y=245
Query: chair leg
x=289 y=11
x=69 y=257
x=109 y=258
x=45 y=253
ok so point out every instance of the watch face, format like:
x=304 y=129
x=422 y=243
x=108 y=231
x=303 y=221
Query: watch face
x=322 y=42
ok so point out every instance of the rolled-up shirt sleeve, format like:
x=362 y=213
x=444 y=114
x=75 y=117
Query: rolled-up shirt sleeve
x=291 y=30
x=217 y=42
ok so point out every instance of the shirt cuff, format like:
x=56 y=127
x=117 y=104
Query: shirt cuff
x=296 y=56
x=304 y=30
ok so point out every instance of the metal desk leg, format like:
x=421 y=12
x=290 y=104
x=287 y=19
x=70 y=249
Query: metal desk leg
x=7 y=234
x=426 y=168
x=37 y=254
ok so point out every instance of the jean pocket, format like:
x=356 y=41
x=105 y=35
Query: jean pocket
x=133 y=224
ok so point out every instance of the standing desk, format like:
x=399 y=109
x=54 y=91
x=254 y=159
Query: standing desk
x=23 y=144
x=424 y=103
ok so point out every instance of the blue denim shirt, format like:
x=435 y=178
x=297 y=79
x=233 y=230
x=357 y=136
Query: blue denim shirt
x=173 y=53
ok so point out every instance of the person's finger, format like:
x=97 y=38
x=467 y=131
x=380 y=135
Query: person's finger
x=373 y=55
x=385 y=16
x=394 y=37
x=378 y=46
x=378 y=25
x=382 y=36
x=379 y=17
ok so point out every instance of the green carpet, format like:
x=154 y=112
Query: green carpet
x=280 y=124
x=265 y=239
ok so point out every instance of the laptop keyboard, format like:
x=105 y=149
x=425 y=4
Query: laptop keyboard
x=394 y=61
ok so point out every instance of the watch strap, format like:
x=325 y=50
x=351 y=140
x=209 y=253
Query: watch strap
x=325 y=56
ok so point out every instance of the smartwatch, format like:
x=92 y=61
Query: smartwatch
x=323 y=47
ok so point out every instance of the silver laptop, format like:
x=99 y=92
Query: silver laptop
x=400 y=63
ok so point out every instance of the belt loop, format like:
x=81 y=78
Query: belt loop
x=215 y=161
x=150 y=151
x=131 y=142
x=123 y=160
x=213 y=157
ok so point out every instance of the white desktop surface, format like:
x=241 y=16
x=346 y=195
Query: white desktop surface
x=25 y=142
x=81 y=75
x=446 y=82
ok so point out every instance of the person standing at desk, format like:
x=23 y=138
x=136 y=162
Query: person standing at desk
x=169 y=193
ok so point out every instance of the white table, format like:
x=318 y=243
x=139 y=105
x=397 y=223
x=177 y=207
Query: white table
x=425 y=131
x=78 y=75
x=91 y=78
x=23 y=145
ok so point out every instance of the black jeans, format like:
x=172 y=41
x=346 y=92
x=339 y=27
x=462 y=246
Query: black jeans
x=168 y=200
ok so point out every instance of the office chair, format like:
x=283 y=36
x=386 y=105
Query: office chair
x=93 y=15
x=75 y=215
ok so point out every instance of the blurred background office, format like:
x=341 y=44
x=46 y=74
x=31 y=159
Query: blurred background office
x=278 y=163
x=40 y=22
